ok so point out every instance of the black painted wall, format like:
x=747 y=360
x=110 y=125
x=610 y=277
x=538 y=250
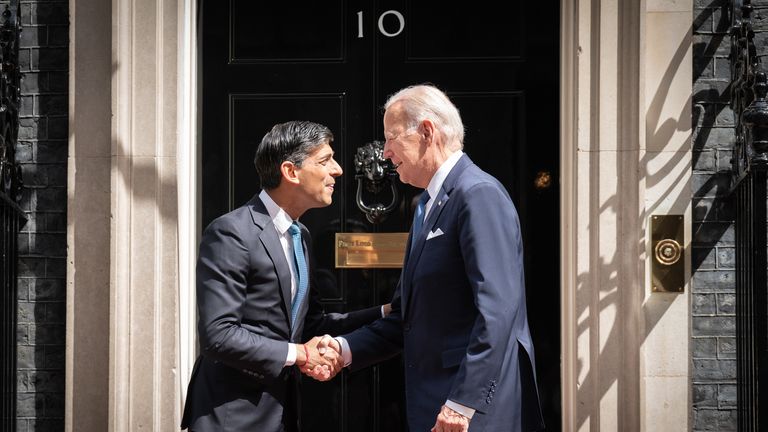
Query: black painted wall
x=713 y=323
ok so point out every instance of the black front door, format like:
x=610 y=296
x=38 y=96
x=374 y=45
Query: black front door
x=335 y=63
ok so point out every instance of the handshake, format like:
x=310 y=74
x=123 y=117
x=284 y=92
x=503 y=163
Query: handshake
x=320 y=358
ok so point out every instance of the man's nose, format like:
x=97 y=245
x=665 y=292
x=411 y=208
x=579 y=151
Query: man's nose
x=336 y=169
x=387 y=151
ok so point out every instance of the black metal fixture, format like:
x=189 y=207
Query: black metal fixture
x=10 y=100
x=749 y=87
x=11 y=215
x=377 y=174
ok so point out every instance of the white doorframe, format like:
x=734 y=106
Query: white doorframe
x=190 y=214
x=568 y=122
x=189 y=190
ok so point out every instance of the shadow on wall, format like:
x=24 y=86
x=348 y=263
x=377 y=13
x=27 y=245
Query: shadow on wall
x=617 y=301
x=42 y=152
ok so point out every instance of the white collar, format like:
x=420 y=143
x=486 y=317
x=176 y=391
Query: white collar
x=442 y=173
x=279 y=217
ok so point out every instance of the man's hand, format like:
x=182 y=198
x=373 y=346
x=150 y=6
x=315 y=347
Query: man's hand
x=325 y=342
x=449 y=420
x=320 y=366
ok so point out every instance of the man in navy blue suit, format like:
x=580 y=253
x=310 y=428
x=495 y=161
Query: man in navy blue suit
x=458 y=313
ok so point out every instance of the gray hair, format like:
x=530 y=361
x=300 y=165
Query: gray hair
x=424 y=101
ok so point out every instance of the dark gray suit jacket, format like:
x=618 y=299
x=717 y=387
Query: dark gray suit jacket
x=239 y=382
x=459 y=312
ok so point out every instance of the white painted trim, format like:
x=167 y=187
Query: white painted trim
x=188 y=192
x=121 y=185
x=568 y=284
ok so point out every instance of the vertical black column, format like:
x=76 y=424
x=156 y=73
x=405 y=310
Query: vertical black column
x=10 y=217
x=751 y=300
x=11 y=214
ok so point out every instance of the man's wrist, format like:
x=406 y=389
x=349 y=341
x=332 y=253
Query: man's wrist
x=344 y=351
x=292 y=356
x=306 y=354
x=461 y=409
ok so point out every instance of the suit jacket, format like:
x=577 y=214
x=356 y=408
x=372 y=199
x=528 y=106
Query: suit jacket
x=239 y=381
x=459 y=312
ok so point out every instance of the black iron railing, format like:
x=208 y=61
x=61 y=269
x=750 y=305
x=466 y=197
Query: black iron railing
x=750 y=165
x=11 y=216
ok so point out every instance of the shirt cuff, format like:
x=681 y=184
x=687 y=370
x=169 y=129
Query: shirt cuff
x=291 y=359
x=461 y=409
x=346 y=353
x=382 y=311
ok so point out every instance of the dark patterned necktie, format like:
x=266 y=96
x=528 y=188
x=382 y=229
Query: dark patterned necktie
x=418 y=216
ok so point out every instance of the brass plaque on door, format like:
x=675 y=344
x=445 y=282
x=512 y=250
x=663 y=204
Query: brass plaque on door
x=370 y=250
x=667 y=253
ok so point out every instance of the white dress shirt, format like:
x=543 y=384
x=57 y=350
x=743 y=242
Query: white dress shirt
x=282 y=222
x=433 y=188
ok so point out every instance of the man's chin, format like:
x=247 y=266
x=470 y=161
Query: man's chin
x=404 y=178
x=322 y=203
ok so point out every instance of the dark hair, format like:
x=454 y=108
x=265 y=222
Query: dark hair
x=291 y=141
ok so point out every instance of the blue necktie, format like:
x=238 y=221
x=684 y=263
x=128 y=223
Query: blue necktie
x=418 y=216
x=301 y=270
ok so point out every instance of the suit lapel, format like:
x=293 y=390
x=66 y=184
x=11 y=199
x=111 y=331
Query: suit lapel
x=406 y=286
x=419 y=239
x=275 y=251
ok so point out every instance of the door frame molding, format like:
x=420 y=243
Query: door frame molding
x=190 y=207
x=625 y=105
x=568 y=239
x=190 y=204
x=625 y=154
x=190 y=210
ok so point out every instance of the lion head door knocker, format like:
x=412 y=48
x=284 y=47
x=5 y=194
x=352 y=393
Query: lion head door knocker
x=377 y=174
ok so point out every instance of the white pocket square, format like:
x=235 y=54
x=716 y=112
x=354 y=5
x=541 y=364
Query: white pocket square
x=436 y=233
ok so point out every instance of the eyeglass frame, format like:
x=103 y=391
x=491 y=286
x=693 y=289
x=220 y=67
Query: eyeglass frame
x=406 y=131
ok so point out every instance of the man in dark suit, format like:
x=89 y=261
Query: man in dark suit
x=254 y=294
x=459 y=313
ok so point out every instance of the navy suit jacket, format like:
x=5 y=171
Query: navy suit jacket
x=459 y=311
x=239 y=381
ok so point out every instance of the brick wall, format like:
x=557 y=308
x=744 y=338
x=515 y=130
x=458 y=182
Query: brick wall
x=713 y=341
x=42 y=151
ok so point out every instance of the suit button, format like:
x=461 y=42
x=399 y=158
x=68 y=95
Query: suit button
x=406 y=328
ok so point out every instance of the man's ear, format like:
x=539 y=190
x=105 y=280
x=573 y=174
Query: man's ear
x=288 y=170
x=427 y=130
